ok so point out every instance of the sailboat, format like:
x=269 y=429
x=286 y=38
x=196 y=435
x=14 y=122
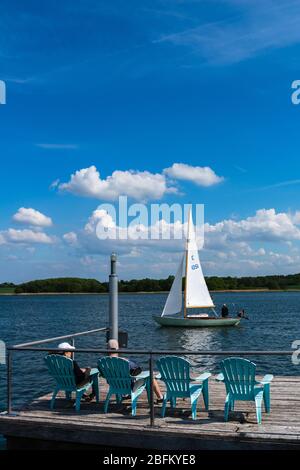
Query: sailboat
x=196 y=294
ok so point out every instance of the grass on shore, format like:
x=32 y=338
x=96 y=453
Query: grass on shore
x=7 y=290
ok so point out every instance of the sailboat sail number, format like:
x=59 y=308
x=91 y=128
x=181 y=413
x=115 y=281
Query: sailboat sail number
x=194 y=266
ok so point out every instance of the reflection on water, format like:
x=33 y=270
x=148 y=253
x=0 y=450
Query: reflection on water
x=194 y=339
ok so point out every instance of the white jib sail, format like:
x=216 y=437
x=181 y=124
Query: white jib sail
x=197 y=294
x=174 y=301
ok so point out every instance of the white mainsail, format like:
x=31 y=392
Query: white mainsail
x=173 y=304
x=197 y=294
x=196 y=291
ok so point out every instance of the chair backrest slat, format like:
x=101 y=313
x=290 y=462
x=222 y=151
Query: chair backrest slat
x=116 y=371
x=61 y=369
x=239 y=377
x=175 y=372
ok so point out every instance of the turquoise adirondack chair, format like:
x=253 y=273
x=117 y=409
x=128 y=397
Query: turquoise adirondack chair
x=61 y=369
x=116 y=371
x=174 y=371
x=238 y=375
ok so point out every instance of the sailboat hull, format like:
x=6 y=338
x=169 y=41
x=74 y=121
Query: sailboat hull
x=196 y=322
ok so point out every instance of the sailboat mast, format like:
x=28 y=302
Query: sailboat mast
x=184 y=311
x=186 y=264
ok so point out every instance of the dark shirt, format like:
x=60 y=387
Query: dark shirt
x=224 y=311
x=135 y=369
x=79 y=375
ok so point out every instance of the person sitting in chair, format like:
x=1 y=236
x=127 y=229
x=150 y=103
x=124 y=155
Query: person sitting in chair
x=82 y=375
x=134 y=368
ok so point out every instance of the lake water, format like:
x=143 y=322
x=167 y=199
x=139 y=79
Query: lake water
x=274 y=324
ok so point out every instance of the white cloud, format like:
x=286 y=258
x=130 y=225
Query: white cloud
x=255 y=27
x=54 y=184
x=227 y=239
x=25 y=236
x=266 y=225
x=202 y=176
x=295 y=218
x=251 y=246
x=139 y=185
x=99 y=216
x=71 y=238
x=57 y=146
x=88 y=261
x=32 y=217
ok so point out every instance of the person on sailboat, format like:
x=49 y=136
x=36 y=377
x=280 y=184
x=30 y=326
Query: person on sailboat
x=224 y=311
x=135 y=369
x=241 y=314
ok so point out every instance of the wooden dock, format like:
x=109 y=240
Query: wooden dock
x=36 y=426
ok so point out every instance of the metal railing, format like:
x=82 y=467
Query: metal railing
x=58 y=338
x=29 y=347
x=151 y=353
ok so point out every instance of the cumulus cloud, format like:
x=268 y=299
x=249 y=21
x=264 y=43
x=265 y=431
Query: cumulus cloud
x=88 y=261
x=99 y=216
x=102 y=226
x=254 y=245
x=202 y=176
x=70 y=238
x=266 y=225
x=139 y=185
x=32 y=217
x=225 y=237
x=25 y=236
x=295 y=217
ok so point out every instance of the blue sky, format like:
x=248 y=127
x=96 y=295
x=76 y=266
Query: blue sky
x=140 y=86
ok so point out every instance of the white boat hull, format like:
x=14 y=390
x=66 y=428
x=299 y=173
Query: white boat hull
x=203 y=322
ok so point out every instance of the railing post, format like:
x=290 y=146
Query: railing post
x=152 y=418
x=73 y=344
x=9 y=381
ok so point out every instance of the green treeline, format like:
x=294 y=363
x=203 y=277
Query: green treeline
x=63 y=284
x=73 y=284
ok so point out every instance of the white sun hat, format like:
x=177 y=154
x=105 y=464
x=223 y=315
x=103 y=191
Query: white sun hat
x=66 y=347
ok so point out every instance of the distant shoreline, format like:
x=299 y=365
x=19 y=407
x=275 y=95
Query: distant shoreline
x=225 y=291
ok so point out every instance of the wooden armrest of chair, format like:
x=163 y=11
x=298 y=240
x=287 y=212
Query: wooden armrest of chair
x=201 y=377
x=266 y=379
x=143 y=375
